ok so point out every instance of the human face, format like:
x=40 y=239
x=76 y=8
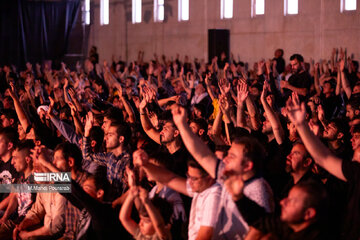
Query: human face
x=327 y=88
x=355 y=141
x=295 y=160
x=5 y=121
x=106 y=124
x=293 y=206
x=194 y=128
x=19 y=161
x=167 y=134
x=21 y=132
x=330 y=132
x=235 y=159
x=60 y=162
x=350 y=112
x=198 y=182
x=266 y=128
x=199 y=89
x=111 y=138
x=295 y=66
x=146 y=227
x=4 y=146
x=292 y=129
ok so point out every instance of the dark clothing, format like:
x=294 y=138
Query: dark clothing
x=273 y=224
x=274 y=166
x=8 y=175
x=179 y=160
x=105 y=223
x=308 y=176
x=351 y=229
x=331 y=106
x=298 y=80
x=257 y=217
x=280 y=64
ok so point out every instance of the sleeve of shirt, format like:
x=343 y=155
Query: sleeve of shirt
x=188 y=188
x=211 y=207
x=88 y=156
x=57 y=222
x=36 y=212
x=66 y=130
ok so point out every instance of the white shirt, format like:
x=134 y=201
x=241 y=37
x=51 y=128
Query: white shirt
x=204 y=209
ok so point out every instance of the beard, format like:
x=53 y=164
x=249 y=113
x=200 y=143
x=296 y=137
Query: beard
x=166 y=141
x=288 y=167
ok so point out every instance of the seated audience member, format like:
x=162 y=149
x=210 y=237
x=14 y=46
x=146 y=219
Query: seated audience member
x=21 y=201
x=203 y=189
x=244 y=156
x=345 y=170
x=154 y=215
x=8 y=174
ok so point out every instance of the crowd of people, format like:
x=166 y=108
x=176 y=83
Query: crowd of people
x=183 y=149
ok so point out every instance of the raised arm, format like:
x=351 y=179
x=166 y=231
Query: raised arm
x=155 y=216
x=315 y=147
x=145 y=121
x=160 y=174
x=271 y=116
x=242 y=94
x=197 y=148
x=344 y=81
x=23 y=118
x=125 y=213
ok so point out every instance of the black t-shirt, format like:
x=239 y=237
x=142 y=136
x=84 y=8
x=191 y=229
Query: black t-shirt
x=298 y=80
x=351 y=228
x=8 y=175
x=179 y=161
x=272 y=224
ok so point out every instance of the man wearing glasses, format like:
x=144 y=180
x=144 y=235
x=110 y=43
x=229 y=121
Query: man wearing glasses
x=198 y=185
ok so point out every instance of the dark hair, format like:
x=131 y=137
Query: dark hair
x=70 y=150
x=97 y=134
x=356 y=129
x=341 y=125
x=201 y=108
x=100 y=180
x=316 y=197
x=115 y=115
x=10 y=114
x=162 y=205
x=254 y=151
x=10 y=135
x=201 y=123
x=297 y=57
x=25 y=145
x=161 y=157
x=194 y=164
x=124 y=130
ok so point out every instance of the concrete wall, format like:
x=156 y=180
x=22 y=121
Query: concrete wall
x=317 y=28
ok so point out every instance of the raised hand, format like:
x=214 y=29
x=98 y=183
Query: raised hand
x=242 y=92
x=321 y=113
x=179 y=115
x=265 y=90
x=235 y=186
x=143 y=195
x=140 y=158
x=295 y=110
x=89 y=122
x=224 y=86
